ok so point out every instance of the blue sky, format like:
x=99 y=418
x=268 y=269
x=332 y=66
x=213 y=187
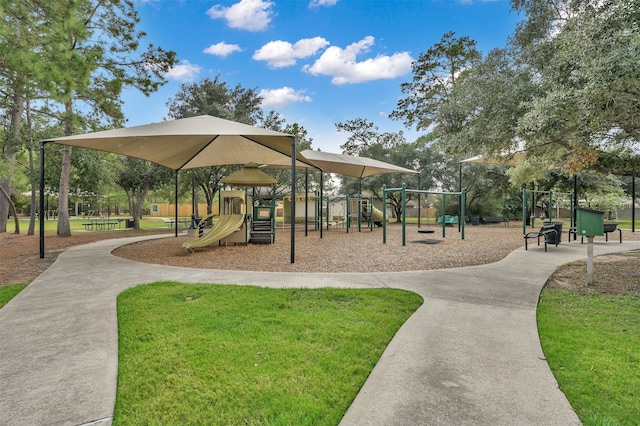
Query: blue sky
x=317 y=62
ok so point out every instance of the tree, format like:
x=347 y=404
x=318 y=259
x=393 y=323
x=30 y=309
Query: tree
x=27 y=65
x=434 y=76
x=138 y=177
x=107 y=46
x=365 y=140
x=216 y=98
x=584 y=56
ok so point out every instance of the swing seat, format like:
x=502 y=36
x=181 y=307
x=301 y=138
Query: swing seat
x=426 y=231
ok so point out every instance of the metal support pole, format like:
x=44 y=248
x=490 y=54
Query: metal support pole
x=444 y=217
x=193 y=193
x=419 y=188
x=41 y=200
x=321 y=201
x=306 y=202
x=348 y=213
x=176 y=200
x=575 y=203
x=293 y=199
x=463 y=204
x=384 y=214
x=273 y=214
x=246 y=215
x=461 y=209
x=404 y=214
x=359 y=212
x=633 y=203
x=550 y=212
x=524 y=211
x=589 y=260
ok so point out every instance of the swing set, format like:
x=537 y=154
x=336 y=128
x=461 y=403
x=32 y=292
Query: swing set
x=404 y=191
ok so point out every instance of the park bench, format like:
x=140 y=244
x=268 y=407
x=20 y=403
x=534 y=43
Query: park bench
x=448 y=220
x=609 y=227
x=546 y=232
x=495 y=219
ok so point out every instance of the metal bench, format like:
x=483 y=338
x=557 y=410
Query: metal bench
x=495 y=219
x=609 y=227
x=545 y=232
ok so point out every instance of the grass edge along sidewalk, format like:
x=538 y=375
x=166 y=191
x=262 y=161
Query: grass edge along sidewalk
x=224 y=354
x=590 y=336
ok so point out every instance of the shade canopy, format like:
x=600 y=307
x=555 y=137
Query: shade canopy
x=511 y=157
x=191 y=143
x=249 y=175
x=506 y=159
x=188 y=143
x=349 y=165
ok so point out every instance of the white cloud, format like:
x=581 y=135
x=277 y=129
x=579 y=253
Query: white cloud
x=342 y=65
x=319 y=3
x=250 y=15
x=282 y=97
x=279 y=54
x=222 y=49
x=184 y=72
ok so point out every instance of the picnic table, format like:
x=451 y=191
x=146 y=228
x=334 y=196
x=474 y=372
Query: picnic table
x=101 y=224
x=181 y=222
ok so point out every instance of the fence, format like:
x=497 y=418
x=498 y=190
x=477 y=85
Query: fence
x=184 y=210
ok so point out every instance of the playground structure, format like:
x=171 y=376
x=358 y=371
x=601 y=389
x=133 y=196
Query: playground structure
x=444 y=219
x=349 y=210
x=263 y=222
x=345 y=211
x=230 y=225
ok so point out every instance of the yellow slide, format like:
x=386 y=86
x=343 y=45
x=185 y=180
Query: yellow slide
x=226 y=226
x=377 y=214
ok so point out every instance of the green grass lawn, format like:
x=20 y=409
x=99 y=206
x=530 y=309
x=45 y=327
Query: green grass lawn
x=592 y=344
x=213 y=354
x=76 y=224
x=8 y=292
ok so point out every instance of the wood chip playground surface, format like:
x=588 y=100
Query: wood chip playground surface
x=339 y=251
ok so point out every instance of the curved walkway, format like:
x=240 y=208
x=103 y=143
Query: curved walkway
x=469 y=355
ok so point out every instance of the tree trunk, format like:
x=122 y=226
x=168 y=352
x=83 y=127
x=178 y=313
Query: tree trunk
x=32 y=173
x=10 y=154
x=64 y=227
x=136 y=201
x=12 y=208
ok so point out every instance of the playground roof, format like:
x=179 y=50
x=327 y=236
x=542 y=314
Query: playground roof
x=249 y=175
x=191 y=143
x=349 y=165
x=507 y=158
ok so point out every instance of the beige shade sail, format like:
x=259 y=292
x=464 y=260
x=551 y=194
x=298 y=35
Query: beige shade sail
x=343 y=164
x=506 y=160
x=350 y=165
x=188 y=143
x=191 y=143
x=249 y=175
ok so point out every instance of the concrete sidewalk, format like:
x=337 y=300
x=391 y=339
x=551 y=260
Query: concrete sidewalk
x=469 y=355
